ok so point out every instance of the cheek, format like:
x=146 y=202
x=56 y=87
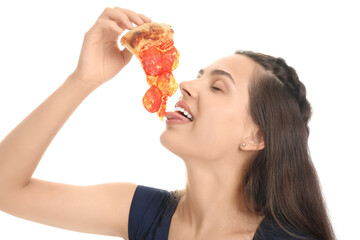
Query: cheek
x=213 y=134
x=218 y=128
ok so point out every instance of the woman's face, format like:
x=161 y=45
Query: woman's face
x=221 y=121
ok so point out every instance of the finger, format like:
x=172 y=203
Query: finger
x=118 y=17
x=144 y=18
x=108 y=24
x=132 y=15
x=127 y=55
x=116 y=28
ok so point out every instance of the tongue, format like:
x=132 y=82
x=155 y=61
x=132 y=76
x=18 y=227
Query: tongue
x=176 y=115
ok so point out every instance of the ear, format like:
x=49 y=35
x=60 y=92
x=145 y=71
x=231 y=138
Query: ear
x=253 y=142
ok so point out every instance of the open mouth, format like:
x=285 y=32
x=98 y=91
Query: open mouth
x=181 y=113
x=184 y=113
x=177 y=117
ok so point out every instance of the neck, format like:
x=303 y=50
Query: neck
x=213 y=197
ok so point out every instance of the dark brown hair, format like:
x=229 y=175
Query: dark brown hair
x=282 y=181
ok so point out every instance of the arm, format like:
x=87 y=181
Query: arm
x=102 y=208
x=23 y=147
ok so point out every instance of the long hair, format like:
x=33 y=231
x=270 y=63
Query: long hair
x=282 y=181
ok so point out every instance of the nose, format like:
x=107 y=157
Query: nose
x=187 y=89
x=184 y=92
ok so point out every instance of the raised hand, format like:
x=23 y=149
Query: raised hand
x=100 y=58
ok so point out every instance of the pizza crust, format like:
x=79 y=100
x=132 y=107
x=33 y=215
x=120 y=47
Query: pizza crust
x=137 y=37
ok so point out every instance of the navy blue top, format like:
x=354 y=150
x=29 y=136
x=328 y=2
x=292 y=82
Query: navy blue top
x=152 y=209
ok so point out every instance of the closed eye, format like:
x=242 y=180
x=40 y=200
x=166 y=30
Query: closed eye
x=217 y=89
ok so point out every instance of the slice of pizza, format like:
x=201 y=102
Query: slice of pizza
x=153 y=45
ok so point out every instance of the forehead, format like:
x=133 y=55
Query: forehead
x=239 y=66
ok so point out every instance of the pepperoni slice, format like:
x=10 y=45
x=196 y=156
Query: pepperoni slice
x=170 y=60
x=167 y=84
x=151 y=60
x=152 y=99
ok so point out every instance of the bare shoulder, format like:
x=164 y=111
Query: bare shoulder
x=98 y=209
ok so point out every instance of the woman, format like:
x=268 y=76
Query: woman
x=249 y=172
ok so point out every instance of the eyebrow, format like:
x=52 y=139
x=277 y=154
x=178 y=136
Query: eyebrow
x=219 y=72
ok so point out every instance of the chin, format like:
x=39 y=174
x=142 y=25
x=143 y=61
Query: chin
x=171 y=142
x=168 y=141
x=163 y=138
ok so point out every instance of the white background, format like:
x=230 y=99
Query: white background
x=112 y=138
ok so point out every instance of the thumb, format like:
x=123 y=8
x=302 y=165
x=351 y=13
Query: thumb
x=126 y=55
